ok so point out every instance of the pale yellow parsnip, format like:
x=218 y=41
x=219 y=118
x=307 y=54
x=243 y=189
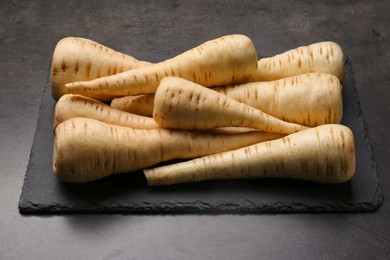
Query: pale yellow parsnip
x=182 y=104
x=79 y=59
x=86 y=149
x=322 y=57
x=230 y=59
x=308 y=99
x=324 y=154
x=70 y=105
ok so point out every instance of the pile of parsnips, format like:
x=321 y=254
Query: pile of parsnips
x=227 y=113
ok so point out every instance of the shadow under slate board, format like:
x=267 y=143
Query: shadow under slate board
x=43 y=193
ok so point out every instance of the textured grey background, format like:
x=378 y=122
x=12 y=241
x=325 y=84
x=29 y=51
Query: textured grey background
x=29 y=31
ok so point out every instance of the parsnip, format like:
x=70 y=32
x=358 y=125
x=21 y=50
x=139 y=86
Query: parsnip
x=231 y=59
x=78 y=59
x=308 y=99
x=69 y=106
x=139 y=104
x=323 y=154
x=86 y=149
x=322 y=57
x=182 y=104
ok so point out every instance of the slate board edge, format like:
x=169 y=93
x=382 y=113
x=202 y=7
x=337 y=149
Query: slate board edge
x=24 y=204
x=378 y=197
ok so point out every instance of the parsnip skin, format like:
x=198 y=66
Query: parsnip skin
x=321 y=57
x=79 y=59
x=230 y=59
x=69 y=106
x=86 y=149
x=324 y=154
x=309 y=99
x=139 y=104
x=182 y=104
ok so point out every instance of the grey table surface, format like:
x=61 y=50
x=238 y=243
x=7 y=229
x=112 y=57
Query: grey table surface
x=29 y=31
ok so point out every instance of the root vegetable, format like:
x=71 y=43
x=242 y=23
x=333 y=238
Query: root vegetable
x=323 y=154
x=182 y=104
x=78 y=59
x=322 y=57
x=139 y=104
x=231 y=59
x=70 y=106
x=309 y=99
x=86 y=149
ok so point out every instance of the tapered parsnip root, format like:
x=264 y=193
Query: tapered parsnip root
x=231 y=59
x=322 y=57
x=323 y=154
x=70 y=106
x=79 y=59
x=86 y=149
x=139 y=104
x=182 y=104
x=308 y=99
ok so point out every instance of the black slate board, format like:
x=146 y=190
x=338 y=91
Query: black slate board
x=42 y=193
